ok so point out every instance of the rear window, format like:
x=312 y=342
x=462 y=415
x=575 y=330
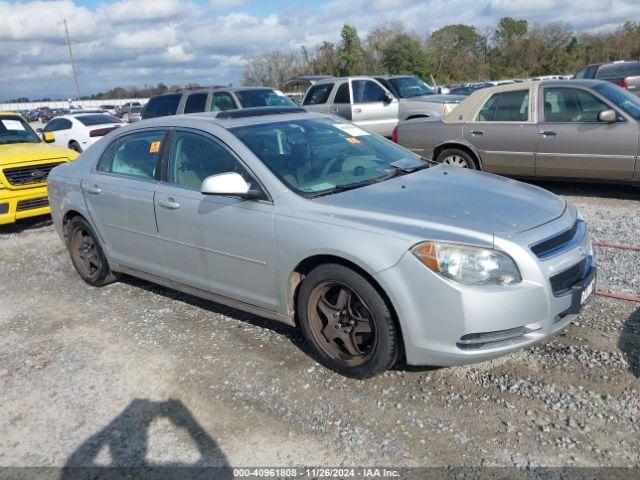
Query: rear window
x=162 y=106
x=619 y=70
x=318 y=94
x=90 y=120
x=264 y=98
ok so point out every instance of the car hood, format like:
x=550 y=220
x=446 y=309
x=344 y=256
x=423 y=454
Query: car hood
x=32 y=152
x=436 y=98
x=445 y=198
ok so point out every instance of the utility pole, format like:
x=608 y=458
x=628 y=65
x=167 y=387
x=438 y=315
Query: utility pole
x=73 y=63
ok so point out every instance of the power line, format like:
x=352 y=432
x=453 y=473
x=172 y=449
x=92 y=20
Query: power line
x=73 y=63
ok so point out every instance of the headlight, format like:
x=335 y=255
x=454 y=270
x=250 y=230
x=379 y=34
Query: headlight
x=467 y=264
x=448 y=108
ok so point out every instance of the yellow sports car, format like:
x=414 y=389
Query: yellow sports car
x=25 y=163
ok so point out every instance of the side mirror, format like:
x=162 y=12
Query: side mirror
x=48 y=137
x=608 y=116
x=231 y=184
x=388 y=98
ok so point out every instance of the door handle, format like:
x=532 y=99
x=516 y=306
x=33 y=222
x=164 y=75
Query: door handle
x=357 y=110
x=548 y=133
x=94 y=190
x=169 y=204
x=477 y=132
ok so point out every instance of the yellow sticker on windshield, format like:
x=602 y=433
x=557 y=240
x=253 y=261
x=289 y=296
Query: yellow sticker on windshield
x=155 y=147
x=352 y=140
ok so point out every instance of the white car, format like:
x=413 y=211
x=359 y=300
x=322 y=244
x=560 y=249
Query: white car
x=80 y=130
x=112 y=109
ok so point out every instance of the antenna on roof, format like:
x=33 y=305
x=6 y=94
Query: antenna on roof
x=73 y=63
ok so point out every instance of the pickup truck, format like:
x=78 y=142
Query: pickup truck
x=625 y=74
x=378 y=103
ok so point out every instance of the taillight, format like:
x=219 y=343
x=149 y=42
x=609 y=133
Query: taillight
x=394 y=134
x=623 y=84
x=101 y=132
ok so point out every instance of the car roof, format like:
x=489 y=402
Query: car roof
x=230 y=122
x=214 y=89
x=5 y=113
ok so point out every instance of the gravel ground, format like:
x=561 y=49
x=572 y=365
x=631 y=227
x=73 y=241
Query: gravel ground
x=133 y=373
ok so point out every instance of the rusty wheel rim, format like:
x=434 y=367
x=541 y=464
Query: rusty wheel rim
x=85 y=253
x=341 y=323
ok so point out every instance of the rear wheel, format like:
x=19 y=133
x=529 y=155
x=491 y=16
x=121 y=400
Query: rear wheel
x=87 y=255
x=457 y=158
x=347 y=322
x=73 y=145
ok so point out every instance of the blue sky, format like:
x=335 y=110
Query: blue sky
x=138 y=42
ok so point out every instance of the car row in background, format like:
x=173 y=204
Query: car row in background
x=214 y=99
x=625 y=74
x=25 y=162
x=585 y=129
x=78 y=131
x=378 y=103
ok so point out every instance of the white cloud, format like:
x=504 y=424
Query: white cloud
x=137 y=42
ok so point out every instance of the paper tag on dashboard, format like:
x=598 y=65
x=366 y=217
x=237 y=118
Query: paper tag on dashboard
x=155 y=147
x=13 y=125
x=352 y=130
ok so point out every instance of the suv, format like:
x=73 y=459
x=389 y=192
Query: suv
x=626 y=74
x=25 y=163
x=378 y=103
x=126 y=108
x=215 y=99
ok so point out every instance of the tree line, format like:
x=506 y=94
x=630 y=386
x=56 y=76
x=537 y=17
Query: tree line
x=454 y=53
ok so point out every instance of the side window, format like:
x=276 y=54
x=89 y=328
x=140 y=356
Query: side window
x=580 y=73
x=162 y=106
x=134 y=155
x=366 y=91
x=222 y=101
x=506 y=107
x=196 y=102
x=58 y=124
x=195 y=157
x=571 y=105
x=318 y=94
x=342 y=95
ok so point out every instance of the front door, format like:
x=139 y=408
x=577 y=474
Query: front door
x=371 y=107
x=119 y=195
x=217 y=243
x=571 y=142
x=503 y=134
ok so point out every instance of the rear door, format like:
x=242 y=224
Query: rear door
x=371 y=108
x=571 y=142
x=119 y=193
x=504 y=134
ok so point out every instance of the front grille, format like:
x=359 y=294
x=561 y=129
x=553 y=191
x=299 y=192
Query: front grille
x=30 y=174
x=32 y=204
x=547 y=246
x=563 y=281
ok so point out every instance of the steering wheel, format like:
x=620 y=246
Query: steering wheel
x=339 y=157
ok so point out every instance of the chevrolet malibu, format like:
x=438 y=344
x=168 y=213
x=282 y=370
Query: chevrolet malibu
x=304 y=218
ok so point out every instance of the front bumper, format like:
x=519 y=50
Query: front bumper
x=445 y=323
x=23 y=203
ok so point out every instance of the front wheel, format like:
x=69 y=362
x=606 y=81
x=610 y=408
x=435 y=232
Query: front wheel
x=457 y=158
x=87 y=255
x=347 y=322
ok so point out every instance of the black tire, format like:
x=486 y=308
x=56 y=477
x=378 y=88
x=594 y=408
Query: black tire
x=379 y=346
x=465 y=159
x=87 y=255
x=73 y=145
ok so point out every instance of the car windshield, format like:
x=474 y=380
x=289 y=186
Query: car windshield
x=98 y=119
x=264 y=98
x=16 y=130
x=624 y=99
x=322 y=156
x=407 y=87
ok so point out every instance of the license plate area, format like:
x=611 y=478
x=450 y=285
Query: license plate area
x=582 y=292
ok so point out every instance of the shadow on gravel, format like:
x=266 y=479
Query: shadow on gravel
x=26 y=224
x=293 y=334
x=126 y=439
x=586 y=189
x=630 y=342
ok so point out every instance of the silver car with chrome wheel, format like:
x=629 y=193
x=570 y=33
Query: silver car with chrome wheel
x=374 y=252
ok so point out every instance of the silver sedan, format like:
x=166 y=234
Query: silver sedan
x=374 y=252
